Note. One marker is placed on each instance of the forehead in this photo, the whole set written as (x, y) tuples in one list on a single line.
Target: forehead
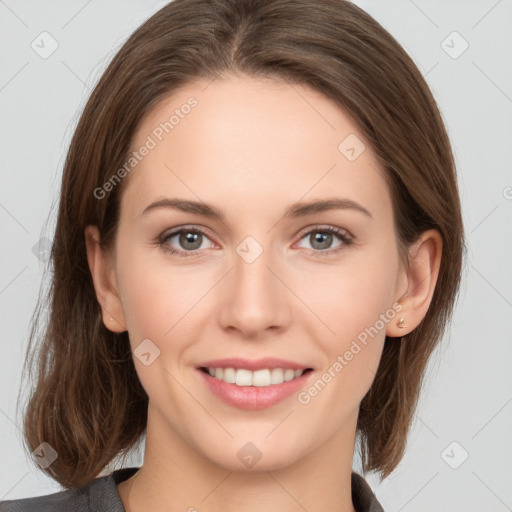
[(239, 141)]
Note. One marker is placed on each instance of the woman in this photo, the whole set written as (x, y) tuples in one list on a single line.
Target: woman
[(297, 148)]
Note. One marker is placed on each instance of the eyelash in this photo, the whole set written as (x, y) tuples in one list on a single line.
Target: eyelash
[(340, 233)]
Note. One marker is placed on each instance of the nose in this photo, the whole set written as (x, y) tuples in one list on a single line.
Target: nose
[(254, 298)]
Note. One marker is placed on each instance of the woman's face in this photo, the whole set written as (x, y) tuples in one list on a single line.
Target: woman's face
[(255, 280)]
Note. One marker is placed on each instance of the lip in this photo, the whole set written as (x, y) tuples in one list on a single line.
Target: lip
[(254, 398), (253, 365)]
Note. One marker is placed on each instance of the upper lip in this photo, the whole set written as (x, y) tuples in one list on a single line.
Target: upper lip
[(253, 365)]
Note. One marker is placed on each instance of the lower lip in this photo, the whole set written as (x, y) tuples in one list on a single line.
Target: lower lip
[(253, 397)]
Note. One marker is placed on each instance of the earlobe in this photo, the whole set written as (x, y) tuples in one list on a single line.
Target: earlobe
[(105, 285), (421, 276)]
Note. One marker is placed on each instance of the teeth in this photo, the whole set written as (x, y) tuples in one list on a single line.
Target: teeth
[(262, 378)]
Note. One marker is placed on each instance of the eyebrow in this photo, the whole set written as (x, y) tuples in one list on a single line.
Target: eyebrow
[(297, 210)]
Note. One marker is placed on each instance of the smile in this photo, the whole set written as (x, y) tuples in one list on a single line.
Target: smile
[(261, 378)]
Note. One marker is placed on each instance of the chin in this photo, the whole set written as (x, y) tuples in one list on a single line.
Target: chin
[(254, 456)]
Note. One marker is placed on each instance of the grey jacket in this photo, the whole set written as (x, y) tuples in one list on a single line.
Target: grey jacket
[(100, 495)]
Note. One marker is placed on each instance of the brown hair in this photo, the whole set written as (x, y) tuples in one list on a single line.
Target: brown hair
[(88, 403)]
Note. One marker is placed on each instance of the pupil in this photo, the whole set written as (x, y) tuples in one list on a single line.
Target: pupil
[(322, 237), (190, 237)]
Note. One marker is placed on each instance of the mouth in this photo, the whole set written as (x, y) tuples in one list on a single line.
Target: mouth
[(265, 377)]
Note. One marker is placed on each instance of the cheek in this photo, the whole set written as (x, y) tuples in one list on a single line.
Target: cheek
[(157, 300), (354, 303), (155, 294), (141, 295), (350, 295)]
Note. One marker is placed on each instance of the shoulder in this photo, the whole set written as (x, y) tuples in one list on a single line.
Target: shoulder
[(363, 498), (97, 495), (75, 500)]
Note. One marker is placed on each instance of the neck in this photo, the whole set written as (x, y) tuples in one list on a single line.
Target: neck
[(175, 477)]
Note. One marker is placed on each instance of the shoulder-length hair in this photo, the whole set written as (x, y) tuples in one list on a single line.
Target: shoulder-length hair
[(88, 403)]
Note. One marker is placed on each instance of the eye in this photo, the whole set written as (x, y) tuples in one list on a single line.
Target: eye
[(322, 237), (189, 241)]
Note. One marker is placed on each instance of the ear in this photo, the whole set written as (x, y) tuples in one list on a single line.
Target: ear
[(104, 279), (418, 278)]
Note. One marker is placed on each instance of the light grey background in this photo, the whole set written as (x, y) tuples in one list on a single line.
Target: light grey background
[(468, 396)]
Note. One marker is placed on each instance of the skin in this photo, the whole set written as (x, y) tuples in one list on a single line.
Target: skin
[(251, 148)]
